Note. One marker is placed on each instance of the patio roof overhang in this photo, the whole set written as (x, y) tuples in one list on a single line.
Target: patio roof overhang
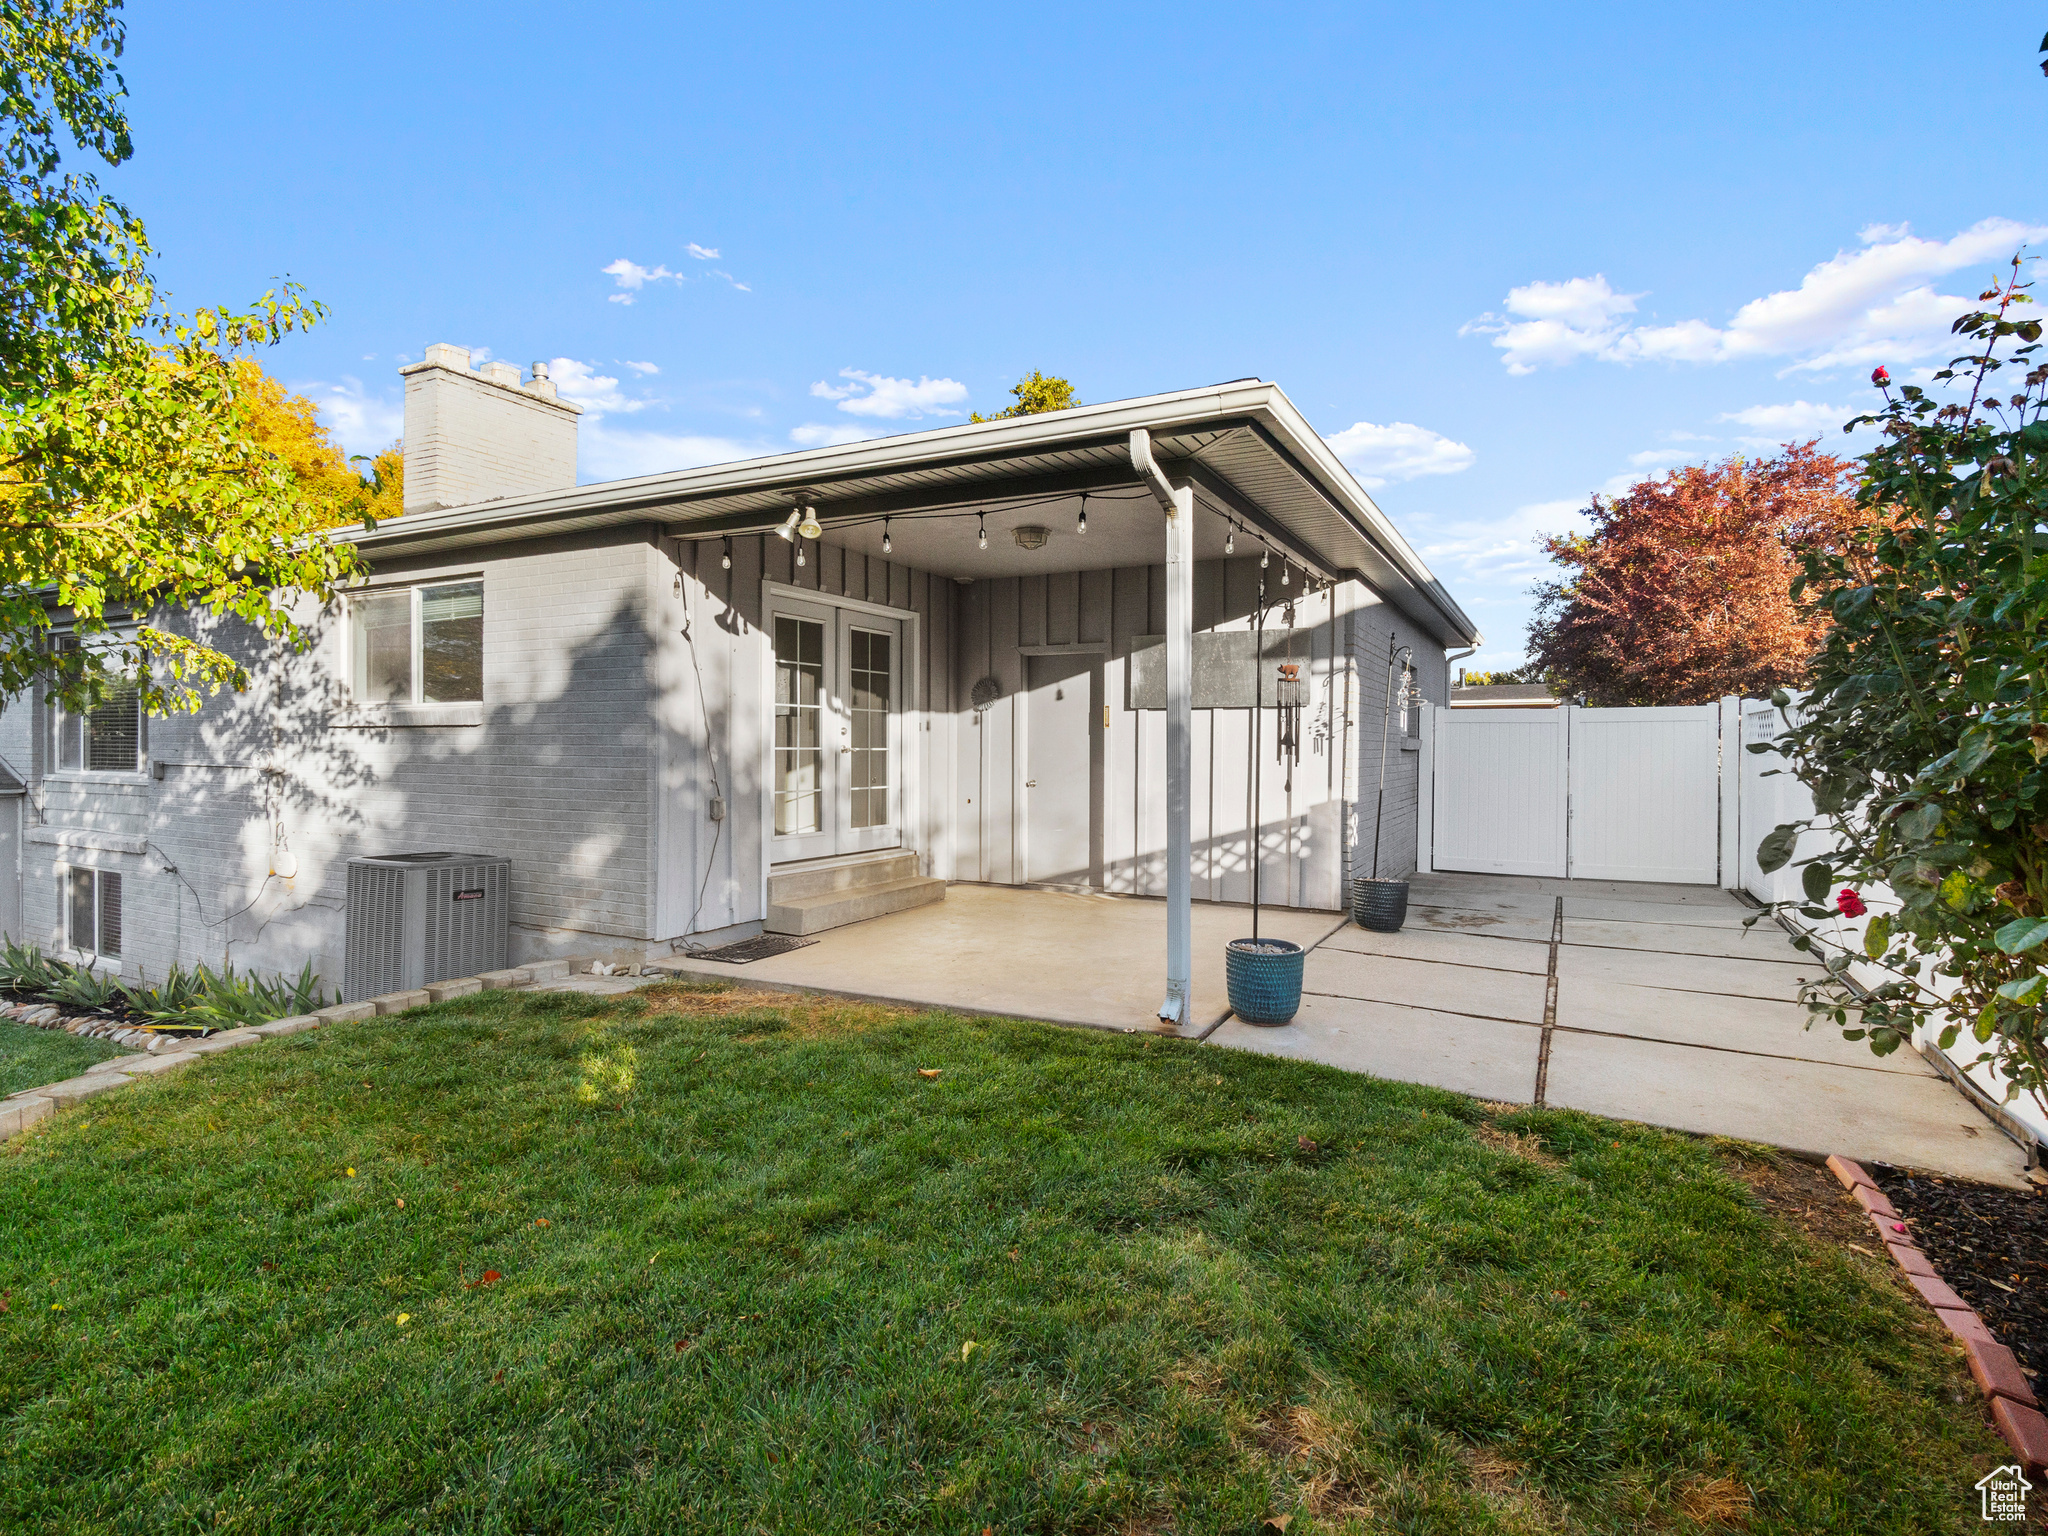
[(1248, 454)]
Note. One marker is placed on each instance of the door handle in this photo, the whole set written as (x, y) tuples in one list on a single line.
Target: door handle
[(1031, 783)]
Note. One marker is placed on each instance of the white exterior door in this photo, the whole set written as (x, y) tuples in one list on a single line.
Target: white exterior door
[(835, 770)]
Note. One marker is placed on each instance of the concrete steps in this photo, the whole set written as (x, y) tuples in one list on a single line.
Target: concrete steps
[(806, 901)]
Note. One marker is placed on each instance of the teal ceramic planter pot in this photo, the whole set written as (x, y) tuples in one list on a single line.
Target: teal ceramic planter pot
[(1265, 979)]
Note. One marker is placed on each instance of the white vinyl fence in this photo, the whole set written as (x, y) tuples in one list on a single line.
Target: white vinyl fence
[(1589, 794)]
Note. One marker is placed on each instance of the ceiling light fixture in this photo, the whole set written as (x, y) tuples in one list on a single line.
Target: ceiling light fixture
[(1031, 535)]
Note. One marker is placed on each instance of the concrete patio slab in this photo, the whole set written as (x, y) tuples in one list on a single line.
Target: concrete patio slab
[(1531, 925), (1483, 1057), (1478, 948), (1767, 979), (1722, 1023), (1068, 959), (1493, 994), (1766, 942), (1810, 1107), (1601, 909)]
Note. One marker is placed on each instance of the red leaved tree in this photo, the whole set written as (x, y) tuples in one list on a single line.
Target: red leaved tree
[(1683, 590)]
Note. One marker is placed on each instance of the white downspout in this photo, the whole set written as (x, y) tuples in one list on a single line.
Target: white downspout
[(1178, 502)]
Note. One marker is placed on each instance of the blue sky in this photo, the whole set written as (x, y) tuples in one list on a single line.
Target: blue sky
[(1504, 256)]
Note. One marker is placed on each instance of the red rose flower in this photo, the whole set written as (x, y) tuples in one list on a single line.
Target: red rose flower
[(1879, 377), (1849, 904)]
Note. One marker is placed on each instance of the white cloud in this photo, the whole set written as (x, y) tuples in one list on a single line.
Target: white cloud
[(361, 422), (1661, 456), (814, 434), (640, 368), (1503, 549), (876, 394), (1874, 305), (743, 288), (1799, 419), (702, 252), (1557, 322), (1398, 451), (597, 393), (632, 277), (606, 453)]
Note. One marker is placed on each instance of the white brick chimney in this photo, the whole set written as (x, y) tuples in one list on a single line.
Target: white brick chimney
[(482, 435)]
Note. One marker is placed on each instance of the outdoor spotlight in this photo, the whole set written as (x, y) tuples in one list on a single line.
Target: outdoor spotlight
[(886, 545), (809, 527), (788, 530)]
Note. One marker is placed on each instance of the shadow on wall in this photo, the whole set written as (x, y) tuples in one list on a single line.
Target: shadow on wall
[(555, 778)]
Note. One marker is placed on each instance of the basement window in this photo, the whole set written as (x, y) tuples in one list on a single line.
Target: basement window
[(92, 911), (418, 645)]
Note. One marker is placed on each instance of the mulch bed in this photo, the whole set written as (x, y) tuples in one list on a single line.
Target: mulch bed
[(1991, 1245)]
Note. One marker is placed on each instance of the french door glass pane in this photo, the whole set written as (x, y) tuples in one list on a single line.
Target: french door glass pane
[(382, 642), (452, 643), (868, 680), (799, 740)]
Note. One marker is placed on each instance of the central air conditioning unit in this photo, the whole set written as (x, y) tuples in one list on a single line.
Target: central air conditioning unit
[(419, 918)]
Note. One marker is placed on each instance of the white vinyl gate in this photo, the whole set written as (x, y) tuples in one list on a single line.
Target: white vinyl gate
[(1590, 794)]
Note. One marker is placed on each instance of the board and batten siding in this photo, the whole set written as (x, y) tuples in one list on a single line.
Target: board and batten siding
[(1308, 835), (717, 736)]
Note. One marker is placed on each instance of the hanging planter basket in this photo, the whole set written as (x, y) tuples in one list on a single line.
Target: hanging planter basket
[(1265, 979), (1381, 905)]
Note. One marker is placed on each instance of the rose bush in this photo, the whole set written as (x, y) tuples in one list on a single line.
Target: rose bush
[(1924, 730)]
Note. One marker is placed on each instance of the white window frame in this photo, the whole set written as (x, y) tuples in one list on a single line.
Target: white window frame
[(92, 953), (416, 660), (62, 719)]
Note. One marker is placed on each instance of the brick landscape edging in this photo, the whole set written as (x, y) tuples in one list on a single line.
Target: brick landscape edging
[(2014, 1407), (165, 1053)]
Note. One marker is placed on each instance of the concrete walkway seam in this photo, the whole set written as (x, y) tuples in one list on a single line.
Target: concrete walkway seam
[(1549, 1006), (2014, 1407)]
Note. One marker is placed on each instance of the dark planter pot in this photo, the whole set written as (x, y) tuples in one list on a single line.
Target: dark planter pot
[(1381, 905), (1265, 979)]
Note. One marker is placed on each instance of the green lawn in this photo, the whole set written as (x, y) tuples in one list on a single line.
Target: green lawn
[(756, 1273), (31, 1057)]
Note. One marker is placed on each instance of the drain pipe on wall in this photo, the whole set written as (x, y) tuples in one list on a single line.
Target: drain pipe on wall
[(1178, 503)]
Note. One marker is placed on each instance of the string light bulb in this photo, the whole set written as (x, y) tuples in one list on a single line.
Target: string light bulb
[(1264, 556), (1230, 540), (725, 560), (1082, 525), (982, 525), (1285, 568), (799, 554), (887, 547)]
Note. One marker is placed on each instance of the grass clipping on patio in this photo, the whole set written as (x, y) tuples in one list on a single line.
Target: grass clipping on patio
[(705, 1258)]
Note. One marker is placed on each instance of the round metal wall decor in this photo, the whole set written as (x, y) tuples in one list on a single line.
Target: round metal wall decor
[(987, 691)]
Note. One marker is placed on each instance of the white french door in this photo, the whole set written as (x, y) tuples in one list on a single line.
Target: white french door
[(836, 774)]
